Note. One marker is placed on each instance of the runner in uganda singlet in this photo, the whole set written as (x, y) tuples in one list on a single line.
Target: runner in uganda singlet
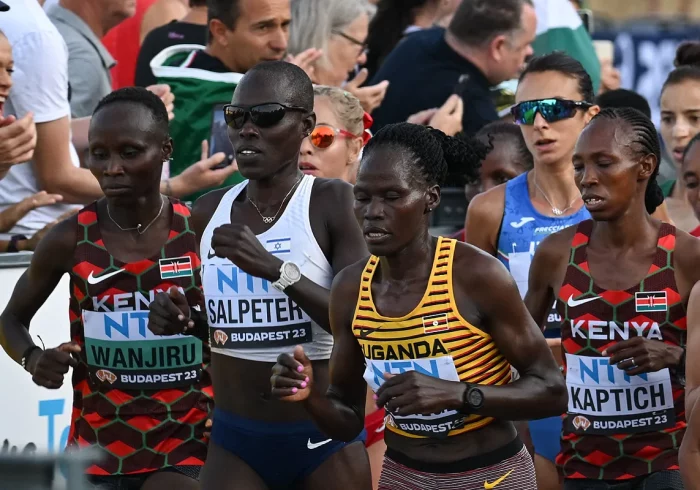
[(248, 318), (433, 339), (522, 230), (142, 398), (620, 426)]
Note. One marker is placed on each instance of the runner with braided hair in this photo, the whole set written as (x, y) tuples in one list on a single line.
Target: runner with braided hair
[(433, 326), (622, 282)]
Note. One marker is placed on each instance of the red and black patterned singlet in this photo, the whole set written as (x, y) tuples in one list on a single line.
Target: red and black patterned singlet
[(141, 398), (617, 426)]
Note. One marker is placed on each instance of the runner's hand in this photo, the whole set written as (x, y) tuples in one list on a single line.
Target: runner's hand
[(639, 355), (305, 60), (170, 313), (207, 426), (416, 393), (292, 376), (370, 97), (238, 244), (53, 364)]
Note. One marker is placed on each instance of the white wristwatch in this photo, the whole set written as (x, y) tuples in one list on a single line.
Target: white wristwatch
[(289, 274)]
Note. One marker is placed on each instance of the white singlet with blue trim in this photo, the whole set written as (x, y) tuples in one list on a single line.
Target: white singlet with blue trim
[(248, 318)]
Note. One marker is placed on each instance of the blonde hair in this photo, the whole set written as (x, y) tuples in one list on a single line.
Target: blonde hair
[(345, 106)]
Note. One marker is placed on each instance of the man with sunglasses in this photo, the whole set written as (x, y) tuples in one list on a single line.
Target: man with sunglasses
[(270, 247), (242, 33)]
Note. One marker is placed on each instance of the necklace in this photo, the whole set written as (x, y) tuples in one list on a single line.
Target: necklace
[(555, 210), (138, 227), (271, 219)]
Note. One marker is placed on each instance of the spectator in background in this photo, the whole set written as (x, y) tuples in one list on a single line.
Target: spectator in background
[(486, 43), (17, 137), (691, 179), (338, 30), (394, 20), (624, 98), (82, 23), (191, 29), (162, 12), (242, 33)]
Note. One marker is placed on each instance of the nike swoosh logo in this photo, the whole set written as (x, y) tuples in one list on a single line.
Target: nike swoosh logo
[(577, 302), (521, 223), (494, 484), (96, 280), (380, 429), (314, 445), (211, 254)]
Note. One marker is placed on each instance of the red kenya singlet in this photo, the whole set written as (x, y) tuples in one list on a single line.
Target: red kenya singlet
[(619, 426), (141, 398)]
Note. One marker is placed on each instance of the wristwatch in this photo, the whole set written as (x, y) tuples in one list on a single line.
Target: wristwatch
[(289, 274), (473, 399), (12, 246)]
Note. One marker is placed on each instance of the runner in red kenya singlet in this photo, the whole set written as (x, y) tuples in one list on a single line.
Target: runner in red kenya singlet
[(622, 282), (142, 399)]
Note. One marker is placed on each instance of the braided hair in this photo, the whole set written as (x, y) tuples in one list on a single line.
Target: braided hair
[(644, 141), (439, 158)]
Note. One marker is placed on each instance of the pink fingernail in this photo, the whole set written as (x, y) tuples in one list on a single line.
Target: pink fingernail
[(294, 390), (306, 380), (303, 384), (375, 397), (181, 317), (300, 368)]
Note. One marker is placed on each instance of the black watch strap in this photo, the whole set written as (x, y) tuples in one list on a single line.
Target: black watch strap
[(12, 246), (27, 354)]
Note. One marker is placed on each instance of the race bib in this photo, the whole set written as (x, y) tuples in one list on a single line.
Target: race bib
[(246, 312), (519, 266), (605, 400), (122, 353), (431, 425)]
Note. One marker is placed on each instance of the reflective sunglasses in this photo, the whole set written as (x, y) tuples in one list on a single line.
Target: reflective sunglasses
[(262, 115), (323, 136), (552, 110)]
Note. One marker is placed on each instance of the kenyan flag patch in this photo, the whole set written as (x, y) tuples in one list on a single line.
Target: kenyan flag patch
[(177, 267), (651, 301)]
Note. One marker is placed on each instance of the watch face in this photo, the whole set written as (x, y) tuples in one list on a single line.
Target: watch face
[(292, 271), (475, 397)]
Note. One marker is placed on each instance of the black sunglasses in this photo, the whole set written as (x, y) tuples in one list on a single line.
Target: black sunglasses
[(552, 110), (262, 115)]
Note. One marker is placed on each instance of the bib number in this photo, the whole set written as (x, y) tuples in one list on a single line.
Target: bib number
[(122, 353), (605, 400), (436, 425)]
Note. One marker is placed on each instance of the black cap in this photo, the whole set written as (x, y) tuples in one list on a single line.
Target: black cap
[(4, 7)]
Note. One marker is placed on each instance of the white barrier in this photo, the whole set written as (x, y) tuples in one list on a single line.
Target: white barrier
[(30, 414)]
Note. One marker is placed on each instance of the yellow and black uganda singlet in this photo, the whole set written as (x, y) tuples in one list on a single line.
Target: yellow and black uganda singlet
[(433, 339)]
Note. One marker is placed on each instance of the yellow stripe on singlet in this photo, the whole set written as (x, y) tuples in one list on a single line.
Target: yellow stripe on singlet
[(435, 328)]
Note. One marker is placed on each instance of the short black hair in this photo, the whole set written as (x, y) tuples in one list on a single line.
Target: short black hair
[(439, 159), (563, 63), (291, 80), (687, 64), (478, 21), (510, 132), (645, 141), (690, 144), (198, 3), (139, 96), (227, 11), (624, 98)]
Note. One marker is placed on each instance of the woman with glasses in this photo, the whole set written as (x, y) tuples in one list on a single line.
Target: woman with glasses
[(333, 148), (270, 247), (554, 103), (339, 29)]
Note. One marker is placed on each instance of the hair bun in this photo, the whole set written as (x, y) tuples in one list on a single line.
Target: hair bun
[(688, 54)]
